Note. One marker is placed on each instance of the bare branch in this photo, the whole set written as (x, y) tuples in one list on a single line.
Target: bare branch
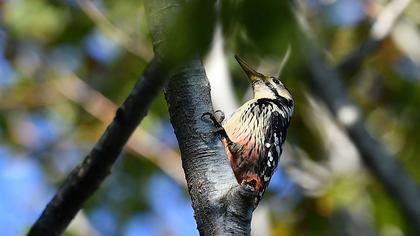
[(326, 83), (141, 142), (85, 179), (387, 18), (352, 62), (120, 37)]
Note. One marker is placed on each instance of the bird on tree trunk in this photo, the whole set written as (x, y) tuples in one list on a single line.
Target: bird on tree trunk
[(254, 134)]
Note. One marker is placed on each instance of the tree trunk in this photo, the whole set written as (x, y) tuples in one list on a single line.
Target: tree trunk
[(221, 206)]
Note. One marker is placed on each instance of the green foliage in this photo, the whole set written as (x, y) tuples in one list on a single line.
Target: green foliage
[(35, 19), (190, 31)]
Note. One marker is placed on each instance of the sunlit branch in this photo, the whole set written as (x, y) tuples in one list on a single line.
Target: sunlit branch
[(137, 47), (81, 226), (380, 30), (215, 63), (141, 142)]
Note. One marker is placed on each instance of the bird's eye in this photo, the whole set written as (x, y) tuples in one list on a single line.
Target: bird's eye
[(276, 81)]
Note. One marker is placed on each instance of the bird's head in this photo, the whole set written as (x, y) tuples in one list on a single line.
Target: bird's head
[(265, 86)]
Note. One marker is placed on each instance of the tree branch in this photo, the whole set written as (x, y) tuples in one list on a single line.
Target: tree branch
[(85, 179), (141, 142), (134, 46), (352, 62), (326, 83)]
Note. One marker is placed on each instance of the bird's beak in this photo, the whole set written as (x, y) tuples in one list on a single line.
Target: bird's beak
[(252, 74)]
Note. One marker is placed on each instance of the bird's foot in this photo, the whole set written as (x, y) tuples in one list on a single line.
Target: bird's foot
[(217, 118), (219, 115)]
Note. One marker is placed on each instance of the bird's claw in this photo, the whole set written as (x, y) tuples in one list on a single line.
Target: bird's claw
[(219, 116), (216, 122), (206, 114)]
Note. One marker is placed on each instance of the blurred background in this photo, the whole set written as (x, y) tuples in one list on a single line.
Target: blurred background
[(66, 65)]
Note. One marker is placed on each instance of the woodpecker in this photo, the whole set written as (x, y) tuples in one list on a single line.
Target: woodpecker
[(254, 134)]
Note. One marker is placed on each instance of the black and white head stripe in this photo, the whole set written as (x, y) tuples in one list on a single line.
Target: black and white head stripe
[(274, 90)]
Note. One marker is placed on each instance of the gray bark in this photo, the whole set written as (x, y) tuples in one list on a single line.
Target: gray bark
[(221, 206)]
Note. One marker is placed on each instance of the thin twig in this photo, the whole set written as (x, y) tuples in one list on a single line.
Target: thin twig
[(134, 46)]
